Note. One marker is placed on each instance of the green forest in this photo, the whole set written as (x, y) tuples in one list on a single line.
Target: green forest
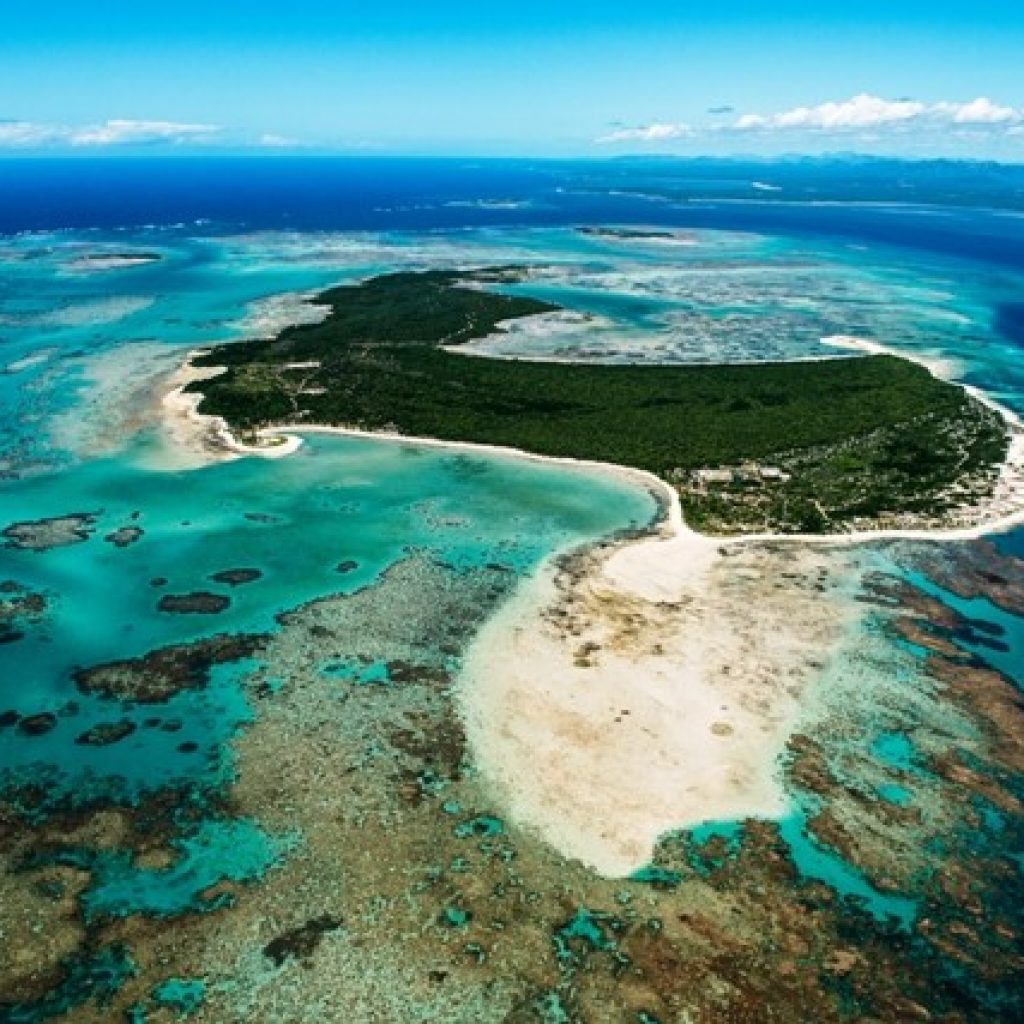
[(856, 437)]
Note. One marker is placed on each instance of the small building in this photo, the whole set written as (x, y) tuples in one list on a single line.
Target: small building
[(772, 474), (706, 477)]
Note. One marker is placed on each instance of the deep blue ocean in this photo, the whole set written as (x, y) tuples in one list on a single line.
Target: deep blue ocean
[(964, 210)]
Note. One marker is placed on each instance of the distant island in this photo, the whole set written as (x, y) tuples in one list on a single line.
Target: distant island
[(636, 234), (825, 446), (114, 260)]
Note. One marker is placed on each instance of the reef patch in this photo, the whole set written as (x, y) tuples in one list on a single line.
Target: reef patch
[(237, 577), (125, 536), (198, 602), (300, 943), (20, 607), (159, 675), (106, 733), (54, 532)]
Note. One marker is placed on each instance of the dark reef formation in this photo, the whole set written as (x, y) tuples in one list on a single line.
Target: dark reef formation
[(125, 536), (106, 733), (300, 943), (159, 675), (236, 577), (55, 532), (198, 602), (20, 609), (408, 897)]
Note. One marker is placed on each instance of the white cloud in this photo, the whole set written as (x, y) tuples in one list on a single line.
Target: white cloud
[(862, 111), (120, 133), (24, 133), (979, 111), (272, 141), (866, 117), (658, 132), (108, 133), (867, 112)]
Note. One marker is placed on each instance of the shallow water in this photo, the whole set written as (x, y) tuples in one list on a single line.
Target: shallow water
[(359, 501), (82, 350)]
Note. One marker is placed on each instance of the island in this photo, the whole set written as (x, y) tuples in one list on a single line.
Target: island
[(624, 234), (122, 260), (824, 446)]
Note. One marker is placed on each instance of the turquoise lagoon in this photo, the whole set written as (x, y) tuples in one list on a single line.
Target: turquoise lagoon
[(83, 349), (338, 501), (82, 353)]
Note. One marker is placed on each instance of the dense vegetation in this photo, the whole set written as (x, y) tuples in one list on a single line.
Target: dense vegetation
[(859, 437)]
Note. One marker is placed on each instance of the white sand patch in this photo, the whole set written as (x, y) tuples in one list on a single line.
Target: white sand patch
[(267, 317), (187, 439), (647, 691), (98, 262), (30, 361), (943, 367)]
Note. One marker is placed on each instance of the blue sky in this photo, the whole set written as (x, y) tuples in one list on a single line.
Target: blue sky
[(522, 78)]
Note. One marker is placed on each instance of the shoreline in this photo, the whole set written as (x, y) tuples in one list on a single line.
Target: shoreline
[(624, 691), (194, 439), (223, 443)]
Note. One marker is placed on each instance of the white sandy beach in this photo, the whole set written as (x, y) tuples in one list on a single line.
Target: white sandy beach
[(190, 440)]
